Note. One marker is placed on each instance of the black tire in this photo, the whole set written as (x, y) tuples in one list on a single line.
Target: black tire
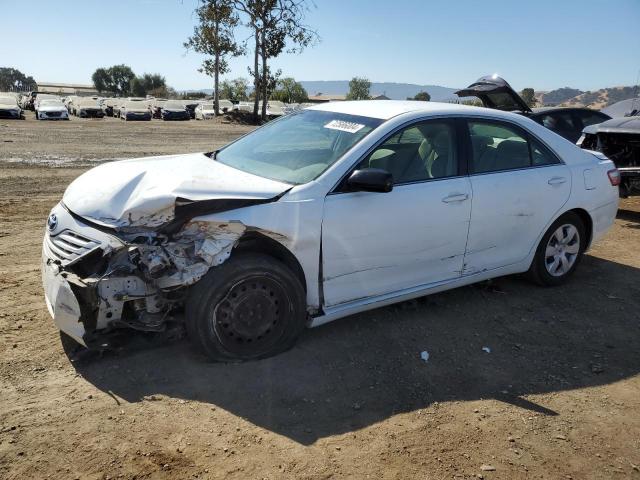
[(250, 307), (538, 271)]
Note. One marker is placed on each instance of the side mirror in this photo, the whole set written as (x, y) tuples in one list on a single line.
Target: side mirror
[(371, 180)]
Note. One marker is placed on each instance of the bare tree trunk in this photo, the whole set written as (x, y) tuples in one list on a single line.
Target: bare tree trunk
[(216, 73), (265, 76), (216, 82), (256, 76)]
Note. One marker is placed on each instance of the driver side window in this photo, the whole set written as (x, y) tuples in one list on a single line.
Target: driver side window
[(420, 152)]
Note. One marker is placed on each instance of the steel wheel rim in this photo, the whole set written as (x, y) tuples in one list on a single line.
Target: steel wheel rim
[(252, 316), (562, 250)]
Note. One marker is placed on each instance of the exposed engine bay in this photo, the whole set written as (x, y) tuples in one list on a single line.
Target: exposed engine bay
[(624, 150), (128, 279)]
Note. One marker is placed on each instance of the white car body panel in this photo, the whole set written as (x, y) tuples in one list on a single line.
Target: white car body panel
[(357, 250), (503, 231), (374, 244)]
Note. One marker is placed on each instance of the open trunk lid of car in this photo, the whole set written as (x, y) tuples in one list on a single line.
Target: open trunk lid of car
[(495, 92)]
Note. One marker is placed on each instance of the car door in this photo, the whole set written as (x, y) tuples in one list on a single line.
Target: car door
[(378, 243), (518, 186)]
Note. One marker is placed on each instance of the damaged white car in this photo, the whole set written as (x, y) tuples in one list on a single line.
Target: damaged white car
[(329, 211)]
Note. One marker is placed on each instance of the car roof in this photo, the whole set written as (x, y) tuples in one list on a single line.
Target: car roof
[(386, 109), (564, 109)]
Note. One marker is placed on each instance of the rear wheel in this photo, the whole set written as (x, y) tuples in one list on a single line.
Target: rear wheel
[(252, 306), (560, 251)]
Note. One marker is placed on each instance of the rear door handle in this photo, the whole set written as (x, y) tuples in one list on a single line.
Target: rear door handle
[(557, 181), (456, 197)]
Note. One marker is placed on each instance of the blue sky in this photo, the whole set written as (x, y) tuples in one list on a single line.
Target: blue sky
[(545, 44)]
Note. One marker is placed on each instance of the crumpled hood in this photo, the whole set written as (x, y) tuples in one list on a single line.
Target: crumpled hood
[(143, 192)]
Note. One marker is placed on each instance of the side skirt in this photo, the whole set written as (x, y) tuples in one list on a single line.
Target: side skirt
[(369, 303)]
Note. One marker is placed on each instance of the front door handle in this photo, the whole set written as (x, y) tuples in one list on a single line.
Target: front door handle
[(557, 180), (456, 197)]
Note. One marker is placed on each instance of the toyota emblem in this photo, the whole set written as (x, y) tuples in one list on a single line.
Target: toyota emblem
[(52, 222)]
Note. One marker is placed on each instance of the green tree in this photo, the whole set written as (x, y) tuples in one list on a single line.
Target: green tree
[(529, 97), (234, 89), (142, 86), (115, 80), (421, 96), (359, 89), (214, 37), (289, 91), (12, 79), (274, 24)]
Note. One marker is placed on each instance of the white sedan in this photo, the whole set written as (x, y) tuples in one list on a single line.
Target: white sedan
[(336, 209), (51, 109)]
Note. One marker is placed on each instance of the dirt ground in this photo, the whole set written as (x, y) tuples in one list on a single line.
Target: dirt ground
[(557, 396)]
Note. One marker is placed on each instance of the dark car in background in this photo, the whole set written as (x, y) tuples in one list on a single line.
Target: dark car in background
[(495, 92), (568, 122), (191, 107), (619, 140), (9, 107), (175, 110)]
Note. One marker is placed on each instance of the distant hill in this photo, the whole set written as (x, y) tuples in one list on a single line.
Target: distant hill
[(564, 97), (556, 97), (395, 91), (571, 97)]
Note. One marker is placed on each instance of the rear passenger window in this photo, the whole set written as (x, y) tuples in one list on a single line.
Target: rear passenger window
[(540, 155), (591, 118), (423, 151), (497, 147)]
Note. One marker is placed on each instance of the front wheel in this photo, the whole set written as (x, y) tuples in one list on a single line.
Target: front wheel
[(250, 307), (559, 251)]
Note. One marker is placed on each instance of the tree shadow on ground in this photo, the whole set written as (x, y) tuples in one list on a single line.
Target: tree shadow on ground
[(363, 369)]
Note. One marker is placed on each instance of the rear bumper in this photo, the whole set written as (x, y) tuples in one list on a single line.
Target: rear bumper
[(603, 219), (91, 113), (138, 116)]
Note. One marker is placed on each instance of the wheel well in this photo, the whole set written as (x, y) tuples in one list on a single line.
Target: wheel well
[(588, 224), (253, 241)]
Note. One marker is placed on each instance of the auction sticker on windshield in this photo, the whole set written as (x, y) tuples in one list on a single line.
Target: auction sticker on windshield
[(344, 126)]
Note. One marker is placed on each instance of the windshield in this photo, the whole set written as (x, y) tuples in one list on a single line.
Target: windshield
[(173, 104), (136, 105), (298, 148), (54, 102)]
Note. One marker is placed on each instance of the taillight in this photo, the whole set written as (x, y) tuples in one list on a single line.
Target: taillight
[(614, 177)]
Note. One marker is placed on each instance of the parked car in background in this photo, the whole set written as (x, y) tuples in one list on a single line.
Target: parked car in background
[(495, 92), (334, 210), (568, 122), (174, 110), (51, 109), (205, 111), (43, 96), (107, 105), (225, 105), (275, 108), (9, 107), (68, 102), (156, 107), (191, 106), (619, 140), (132, 110), (86, 107)]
